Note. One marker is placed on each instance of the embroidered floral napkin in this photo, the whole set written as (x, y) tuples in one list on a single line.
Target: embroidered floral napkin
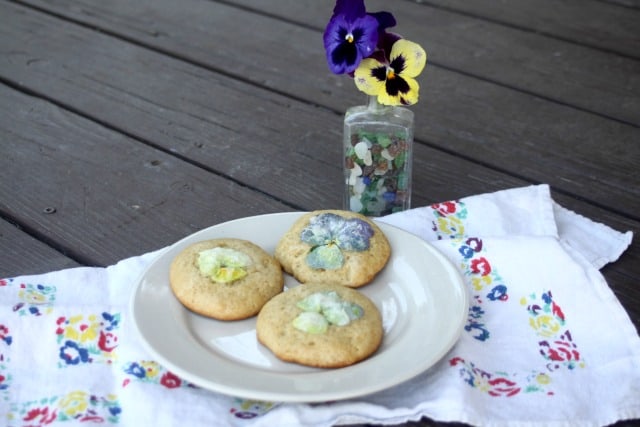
[(546, 341)]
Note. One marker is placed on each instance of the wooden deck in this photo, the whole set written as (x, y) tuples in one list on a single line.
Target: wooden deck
[(127, 125)]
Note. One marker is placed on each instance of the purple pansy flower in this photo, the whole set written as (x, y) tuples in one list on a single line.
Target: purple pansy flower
[(352, 34), (329, 234)]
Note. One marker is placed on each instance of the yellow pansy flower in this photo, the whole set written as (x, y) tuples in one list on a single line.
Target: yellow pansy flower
[(393, 83)]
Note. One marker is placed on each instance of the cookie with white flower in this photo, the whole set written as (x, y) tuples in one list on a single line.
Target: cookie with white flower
[(226, 279), (320, 325), (333, 246)]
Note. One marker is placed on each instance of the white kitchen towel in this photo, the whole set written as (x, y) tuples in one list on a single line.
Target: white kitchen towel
[(546, 341)]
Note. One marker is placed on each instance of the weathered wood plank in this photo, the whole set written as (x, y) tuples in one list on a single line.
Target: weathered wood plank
[(627, 3), (458, 114), (262, 139), (597, 24), (113, 196), (626, 290), (589, 79), (23, 254)]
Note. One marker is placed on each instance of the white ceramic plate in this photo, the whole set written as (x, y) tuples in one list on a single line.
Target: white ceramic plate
[(421, 296)]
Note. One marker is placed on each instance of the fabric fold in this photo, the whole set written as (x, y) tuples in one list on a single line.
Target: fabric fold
[(596, 242)]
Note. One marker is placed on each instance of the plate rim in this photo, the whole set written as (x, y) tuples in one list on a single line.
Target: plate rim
[(295, 395)]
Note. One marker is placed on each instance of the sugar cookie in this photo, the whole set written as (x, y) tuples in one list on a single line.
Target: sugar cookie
[(320, 325), (226, 279)]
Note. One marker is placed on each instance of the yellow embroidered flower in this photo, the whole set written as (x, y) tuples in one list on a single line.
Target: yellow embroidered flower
[(74, 403), (32, 296), (151, 368), (78, 329), (393, 82), (481, 384), (546, 325), (478, 283), (450, 226), (543, 379)]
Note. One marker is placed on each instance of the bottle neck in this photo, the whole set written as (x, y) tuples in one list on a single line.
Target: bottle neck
[(375, 107)]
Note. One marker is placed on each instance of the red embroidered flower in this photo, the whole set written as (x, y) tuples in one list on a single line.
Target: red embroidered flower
[(446, 208), (91, 418), (169, 380), (61, 320), (481, 266), (559, 351), (557, 311), (42, 416), (455, 361), (107, 341), (503, 387)]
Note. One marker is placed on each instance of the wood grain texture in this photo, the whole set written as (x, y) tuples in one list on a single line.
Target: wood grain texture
[(113, 196), (590, 79), (267, 141), (24, 254), (587, 26), (516, 131)]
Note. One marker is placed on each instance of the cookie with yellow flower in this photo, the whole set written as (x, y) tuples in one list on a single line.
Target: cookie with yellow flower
[(226, 279)]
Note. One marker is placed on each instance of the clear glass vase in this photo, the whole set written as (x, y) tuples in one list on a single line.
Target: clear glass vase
[(378, 153)]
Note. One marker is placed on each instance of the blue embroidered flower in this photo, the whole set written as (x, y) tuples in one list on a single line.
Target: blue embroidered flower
[(4, 335), (113, 319), (136, 370), (330, 234), (466, 251), (73, 354), (499, 292), (481, 332)]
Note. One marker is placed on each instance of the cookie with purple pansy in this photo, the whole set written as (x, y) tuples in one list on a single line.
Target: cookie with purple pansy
[(333, 246)]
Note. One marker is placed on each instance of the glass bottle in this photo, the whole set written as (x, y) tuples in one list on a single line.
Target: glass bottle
[(378, 153)]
